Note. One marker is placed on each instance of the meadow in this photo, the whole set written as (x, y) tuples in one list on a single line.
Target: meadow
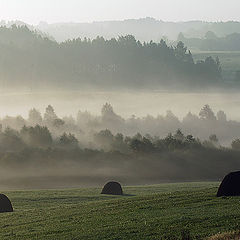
[(145, 212)]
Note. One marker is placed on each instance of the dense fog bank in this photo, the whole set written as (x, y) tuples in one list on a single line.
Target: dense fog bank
[(49, 151), (85, 125)]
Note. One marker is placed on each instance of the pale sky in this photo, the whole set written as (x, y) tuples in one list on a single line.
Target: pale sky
[(34, 11)]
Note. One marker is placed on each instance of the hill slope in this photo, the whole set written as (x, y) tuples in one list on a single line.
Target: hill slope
[(144, 29)]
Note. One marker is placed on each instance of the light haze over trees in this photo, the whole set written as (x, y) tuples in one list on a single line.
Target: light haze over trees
[(31, 61)]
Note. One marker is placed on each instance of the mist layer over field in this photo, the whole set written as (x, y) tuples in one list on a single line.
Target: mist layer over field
[(86, 111), (125, 140), (125, 103)]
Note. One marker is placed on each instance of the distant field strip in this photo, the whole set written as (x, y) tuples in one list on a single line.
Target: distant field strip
[(230, 61)]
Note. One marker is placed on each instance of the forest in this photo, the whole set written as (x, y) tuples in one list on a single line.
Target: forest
[(85, 124), (109, 144), (31, 61), (135, 149)]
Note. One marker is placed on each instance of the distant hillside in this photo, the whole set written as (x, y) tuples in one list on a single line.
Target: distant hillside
[(211, 42), (9, 24), (30, 60), (144, 29)]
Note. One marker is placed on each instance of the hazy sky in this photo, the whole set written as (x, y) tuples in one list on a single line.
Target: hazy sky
[(33, 11)]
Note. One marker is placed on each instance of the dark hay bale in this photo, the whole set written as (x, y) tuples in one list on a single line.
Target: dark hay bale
[(5, 204), (113, 188), (230, 185)]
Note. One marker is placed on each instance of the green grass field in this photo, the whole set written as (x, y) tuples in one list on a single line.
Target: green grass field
[(145, 212)]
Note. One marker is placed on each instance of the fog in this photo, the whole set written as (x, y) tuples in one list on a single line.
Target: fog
[(85, 111), (89, 137), (93, 10), (126, 103)]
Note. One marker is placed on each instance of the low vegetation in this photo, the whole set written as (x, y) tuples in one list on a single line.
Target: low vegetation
[(145, 212), (226, 236)]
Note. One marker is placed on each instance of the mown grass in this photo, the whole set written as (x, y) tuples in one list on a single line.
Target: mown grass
[(226, 236), (146, 212)]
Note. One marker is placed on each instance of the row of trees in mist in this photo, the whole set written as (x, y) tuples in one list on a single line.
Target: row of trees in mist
[(39, 137), (85, 125), (135, 150), (31, 61), (132, 159)]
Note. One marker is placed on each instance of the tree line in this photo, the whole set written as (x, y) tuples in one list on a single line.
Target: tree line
[(111, 132), (85, 124), (30, 61), (135, 159), (95, 147)]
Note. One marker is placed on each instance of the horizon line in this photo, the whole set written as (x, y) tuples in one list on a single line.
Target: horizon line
[(42, 22)]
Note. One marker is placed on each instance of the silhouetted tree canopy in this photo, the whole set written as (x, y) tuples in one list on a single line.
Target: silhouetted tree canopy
[(206, 113), (36, 136), (31, 61), (162, 147), (68, 140)]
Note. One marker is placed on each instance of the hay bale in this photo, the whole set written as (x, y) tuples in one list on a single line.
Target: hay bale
[(230, 185), (112, 188), (5, 204)]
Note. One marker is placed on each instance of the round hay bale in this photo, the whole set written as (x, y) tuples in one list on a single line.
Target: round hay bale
[(112, 188), (230, 185), (5, 204)]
